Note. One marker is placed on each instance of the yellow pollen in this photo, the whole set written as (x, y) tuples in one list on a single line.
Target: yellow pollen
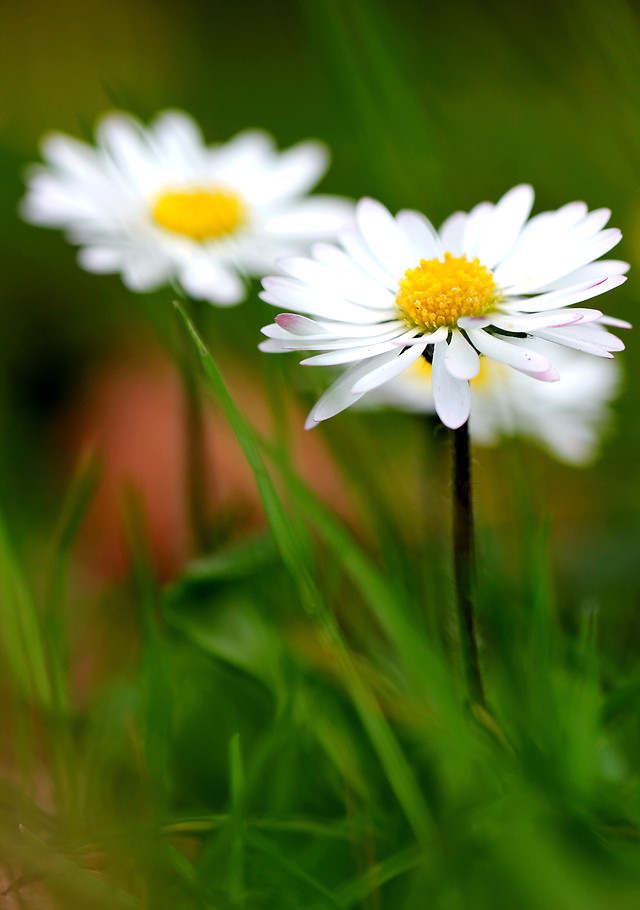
[(438, 292), (200, 214)]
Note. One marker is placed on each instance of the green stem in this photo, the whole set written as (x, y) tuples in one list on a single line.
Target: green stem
[(464, 560)]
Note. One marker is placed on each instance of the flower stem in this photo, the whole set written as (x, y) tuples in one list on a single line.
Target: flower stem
[(464, 560)]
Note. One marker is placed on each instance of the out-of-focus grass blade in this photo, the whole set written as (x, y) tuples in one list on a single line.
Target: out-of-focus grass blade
[(354, 892), (390, 754), (22, 635), (231, 563), (296, 560), (156, 689), (74, 886), (290, 869), (392, 120), (623, 699), (236, 820), (74, 509), (386, 601)]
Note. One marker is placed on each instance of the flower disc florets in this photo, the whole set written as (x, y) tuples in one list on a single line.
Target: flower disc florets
[(440, 291), (162, 207), (490, 284), (202, 214)]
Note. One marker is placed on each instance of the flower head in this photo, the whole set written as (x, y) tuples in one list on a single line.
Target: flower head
[(157, 205), (484, 285), (567, 417)]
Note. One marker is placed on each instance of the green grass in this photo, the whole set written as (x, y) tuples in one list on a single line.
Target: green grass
[(284, 724), (296, 733)]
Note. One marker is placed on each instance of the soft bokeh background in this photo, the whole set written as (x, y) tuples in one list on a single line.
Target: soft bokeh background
[(434, 108), (431, 106)]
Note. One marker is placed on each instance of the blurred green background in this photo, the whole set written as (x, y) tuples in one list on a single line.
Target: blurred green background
[(429, 106)]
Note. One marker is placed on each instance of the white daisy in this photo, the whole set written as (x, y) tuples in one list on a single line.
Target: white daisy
[(567, 417), (158, 205), (485, 284)]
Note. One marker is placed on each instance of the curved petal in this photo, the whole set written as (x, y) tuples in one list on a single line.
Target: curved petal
[(340, 395), (460, 358), (386, 371), (421, 234), (505, 225), (452, 396), (516, 356), (205, 279), (452, 233), (383, 237)]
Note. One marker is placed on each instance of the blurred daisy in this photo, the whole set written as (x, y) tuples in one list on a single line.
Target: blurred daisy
[(485, 284), (567, 417), (158, 205)]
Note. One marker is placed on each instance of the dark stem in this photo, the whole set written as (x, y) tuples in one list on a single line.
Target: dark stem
[(464, 559)]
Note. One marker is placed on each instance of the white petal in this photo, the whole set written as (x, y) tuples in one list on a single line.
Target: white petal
[(517, 322), (312, 218), (386, 371), (616, 323), (329, 343), (122, 138), (592, 273), (384, 238), (360, 253), (356, 288), (331, 332), (299, 325), (452, 396), (72, 159), (507, 220), (588, 338), (205, 279), (100, 260), (244, 161), (271, 346), (348, 355), (295, 172), (550, 264), (590, 224), (421, 234), (452, 233), (564, 297), (440, 334), (287, 292), (377, 293), (478, 222), (142, 271), (520, 358), (339, 395), (178, 143), (473, 322), (460, 358)]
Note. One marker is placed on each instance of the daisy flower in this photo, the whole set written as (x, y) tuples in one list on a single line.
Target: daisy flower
[(484, 285), (157, 205), (567, 417)]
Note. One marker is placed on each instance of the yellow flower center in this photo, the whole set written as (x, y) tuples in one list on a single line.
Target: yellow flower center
[(438, 292), (200, 214)]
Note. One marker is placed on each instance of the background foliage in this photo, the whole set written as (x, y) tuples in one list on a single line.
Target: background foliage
[(281, 721)]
